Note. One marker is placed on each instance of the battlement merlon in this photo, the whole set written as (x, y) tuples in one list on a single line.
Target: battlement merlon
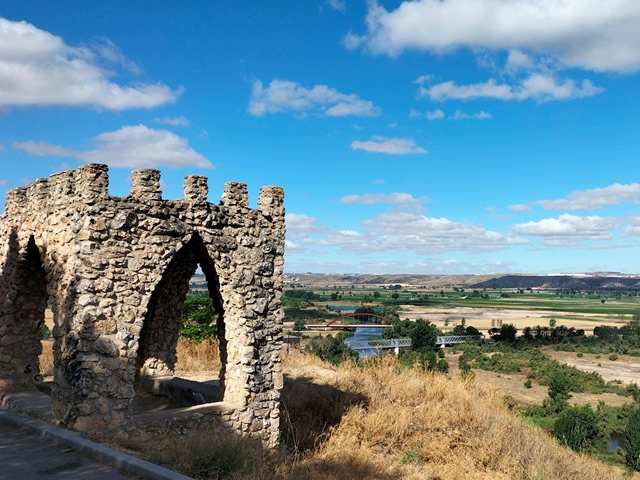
[(235, 195), (90, 184), (271, 202), (195, 189), (145, 184)]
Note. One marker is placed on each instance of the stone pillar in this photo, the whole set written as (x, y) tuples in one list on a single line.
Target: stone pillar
[(146, 184), (92, 183), (196, 189), (235, 195)]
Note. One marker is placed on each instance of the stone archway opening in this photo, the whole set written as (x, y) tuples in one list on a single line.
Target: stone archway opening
[(24, 320), (157, 386)]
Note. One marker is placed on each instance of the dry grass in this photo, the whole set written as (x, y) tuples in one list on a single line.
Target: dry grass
[(378, 421), (46, 358), (411, 424), (198, 358)]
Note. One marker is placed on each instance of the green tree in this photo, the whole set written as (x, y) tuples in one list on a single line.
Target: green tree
[(198, 319), (508, 332), (632, 438), (577, 428), (559, 386), (423, 335)]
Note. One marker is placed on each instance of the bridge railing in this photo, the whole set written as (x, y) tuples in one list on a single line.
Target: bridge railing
[(454, 339), (379, 343)]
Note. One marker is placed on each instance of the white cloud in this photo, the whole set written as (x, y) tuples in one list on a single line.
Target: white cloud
[(481, 115), (538, 86), (423, 79), (286, 96), (131, 146), (633, 229), (44, 149), (404, 200), (595, 198), (173, 121), (569, 229), (3, 182), (108, 51), (409, 231), (390, 146), (299, 225), (519, 61), (38, 69), (519, 207), (338, 5), (591, 34), (432, 115)]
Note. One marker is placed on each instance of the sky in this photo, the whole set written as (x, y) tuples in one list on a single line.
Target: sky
[(424, 136)]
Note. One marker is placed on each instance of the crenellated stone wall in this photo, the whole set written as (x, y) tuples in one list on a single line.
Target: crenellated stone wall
[(116, 272)]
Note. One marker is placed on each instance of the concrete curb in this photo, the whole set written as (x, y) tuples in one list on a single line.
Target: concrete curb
[(105, 455)]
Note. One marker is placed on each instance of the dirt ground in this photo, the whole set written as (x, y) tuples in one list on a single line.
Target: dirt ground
[(513, 384), (481, 318), (625, 368)]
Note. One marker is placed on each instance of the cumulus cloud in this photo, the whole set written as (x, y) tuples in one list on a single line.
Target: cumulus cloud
[(286, 96), (569, 229), (519, 207), (436, 114), (426, 235), (390, 146), (481, 115), (400, 232), (403, 200), (40, 69), (538, 86), (633, 228), (595, 198), (131, 146), (338, 5), (590, 34), (173, 121)]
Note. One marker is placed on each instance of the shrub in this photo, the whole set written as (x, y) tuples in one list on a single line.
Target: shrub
[(613, 357), (632, 438), (527, 383), (577, 428), (331, 349), (198, 319)]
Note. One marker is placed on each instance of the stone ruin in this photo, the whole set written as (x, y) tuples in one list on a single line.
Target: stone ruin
[(116, 272)]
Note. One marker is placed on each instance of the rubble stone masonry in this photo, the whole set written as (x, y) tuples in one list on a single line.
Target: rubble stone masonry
[(116, 273)]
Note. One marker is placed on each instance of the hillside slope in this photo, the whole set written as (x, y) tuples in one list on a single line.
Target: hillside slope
[(392, 423)]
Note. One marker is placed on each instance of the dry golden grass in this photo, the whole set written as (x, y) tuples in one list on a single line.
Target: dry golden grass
[(411, 424), (198, 358), (46, 358), (377, 421)]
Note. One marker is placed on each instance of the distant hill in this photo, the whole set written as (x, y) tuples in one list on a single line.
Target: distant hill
[(493, 281), (561, 282), (329, 279)]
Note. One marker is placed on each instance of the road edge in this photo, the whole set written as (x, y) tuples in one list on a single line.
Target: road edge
[(105, 455)]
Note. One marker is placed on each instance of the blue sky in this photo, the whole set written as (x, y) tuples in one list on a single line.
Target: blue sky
[(432, 136)]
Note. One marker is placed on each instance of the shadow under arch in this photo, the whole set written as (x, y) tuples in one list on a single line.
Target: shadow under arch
[(23, 314), (160, 331)]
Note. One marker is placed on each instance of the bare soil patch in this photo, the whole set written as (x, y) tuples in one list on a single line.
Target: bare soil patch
[(513, 384), (481, 318), (625, 368)]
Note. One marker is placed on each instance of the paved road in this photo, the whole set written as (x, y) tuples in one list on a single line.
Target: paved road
[(27, 457)]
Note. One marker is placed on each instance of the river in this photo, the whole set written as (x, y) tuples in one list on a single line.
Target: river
[(364, 334)]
